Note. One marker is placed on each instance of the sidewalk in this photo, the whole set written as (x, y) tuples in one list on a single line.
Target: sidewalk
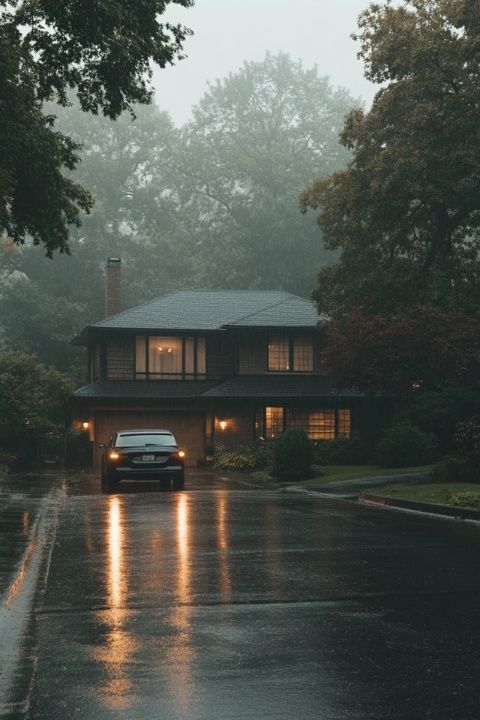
[(22, 498)]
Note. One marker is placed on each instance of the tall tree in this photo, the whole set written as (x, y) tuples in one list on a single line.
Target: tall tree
[(255, 139), (405, 213), (102, 49)]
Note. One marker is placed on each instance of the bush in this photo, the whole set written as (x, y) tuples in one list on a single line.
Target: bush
[(467, 439), (342, 451), (241, 460), (404, 444), (465, 498), (292, 456), (453, 469), (78, 449)]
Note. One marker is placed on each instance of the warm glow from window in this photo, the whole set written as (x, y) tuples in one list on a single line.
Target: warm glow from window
[(344, 423), (279, 354), (274, 419)]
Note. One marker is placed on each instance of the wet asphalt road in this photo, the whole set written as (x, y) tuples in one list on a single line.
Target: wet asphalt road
[(229, 602)]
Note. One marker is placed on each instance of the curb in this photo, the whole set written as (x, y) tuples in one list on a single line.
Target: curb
[(458, 513)]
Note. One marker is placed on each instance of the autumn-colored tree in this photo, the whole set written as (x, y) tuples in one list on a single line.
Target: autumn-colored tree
[(405, 213), (423, 350)]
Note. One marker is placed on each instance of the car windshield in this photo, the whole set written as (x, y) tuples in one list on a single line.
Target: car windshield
[(140, 439)]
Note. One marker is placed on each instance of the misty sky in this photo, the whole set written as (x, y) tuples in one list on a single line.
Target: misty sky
[(230, 31)]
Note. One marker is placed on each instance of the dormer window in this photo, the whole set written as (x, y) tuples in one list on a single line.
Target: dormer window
[(290, 354), (165, 357)]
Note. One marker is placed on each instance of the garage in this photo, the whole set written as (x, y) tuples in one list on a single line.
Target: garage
[(189, 429)]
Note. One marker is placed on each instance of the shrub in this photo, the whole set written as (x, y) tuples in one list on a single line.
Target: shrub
[(241, 460), (342, 451), (464, 498), (404, 444), (78, 449), (453, 469), (467, 439), (292, 456)]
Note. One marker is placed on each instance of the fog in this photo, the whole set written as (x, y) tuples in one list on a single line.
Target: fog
[(227, 32), (209, 203)]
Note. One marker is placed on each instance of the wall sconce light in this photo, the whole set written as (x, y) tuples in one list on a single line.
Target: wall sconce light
[(223, 424), (85, 424)]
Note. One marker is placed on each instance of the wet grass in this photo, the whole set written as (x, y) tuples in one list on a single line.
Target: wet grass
[(430, 492), (339, 473)]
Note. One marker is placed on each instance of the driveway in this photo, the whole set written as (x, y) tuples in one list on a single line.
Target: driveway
[(228, 602)]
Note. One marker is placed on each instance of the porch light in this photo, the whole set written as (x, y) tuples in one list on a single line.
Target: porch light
[(223, 424), (85, 424)]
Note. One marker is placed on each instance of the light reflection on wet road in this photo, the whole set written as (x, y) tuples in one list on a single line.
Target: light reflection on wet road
[(221, 604)]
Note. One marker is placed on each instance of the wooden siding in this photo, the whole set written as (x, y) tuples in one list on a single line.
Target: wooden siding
[(252, 355), (221, 357), (120, 359)]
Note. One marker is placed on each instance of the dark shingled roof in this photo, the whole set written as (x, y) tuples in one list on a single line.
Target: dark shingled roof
[(278, 386), (241, 386), (216, 309), (144, 389)]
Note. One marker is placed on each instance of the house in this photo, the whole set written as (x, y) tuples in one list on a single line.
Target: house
[(214, 366)]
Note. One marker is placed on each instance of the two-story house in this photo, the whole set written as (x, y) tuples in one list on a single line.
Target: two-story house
[(213, 366)]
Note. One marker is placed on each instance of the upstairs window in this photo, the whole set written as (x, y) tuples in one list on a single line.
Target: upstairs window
[(279, 354), (290, 354), (165, 357)]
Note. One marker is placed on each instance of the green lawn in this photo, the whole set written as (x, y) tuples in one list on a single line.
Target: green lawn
[(434, 493), (338, 473)]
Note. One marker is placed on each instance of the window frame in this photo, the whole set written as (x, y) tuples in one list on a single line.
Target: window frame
[(291, 353), (339, 413), (179, 376)]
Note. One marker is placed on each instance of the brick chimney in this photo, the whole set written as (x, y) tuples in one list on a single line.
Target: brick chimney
[(112, 286)]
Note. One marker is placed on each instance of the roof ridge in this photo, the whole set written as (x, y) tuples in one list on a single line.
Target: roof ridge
[(256, 312)]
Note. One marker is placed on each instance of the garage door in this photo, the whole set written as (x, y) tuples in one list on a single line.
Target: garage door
[(188, 429)]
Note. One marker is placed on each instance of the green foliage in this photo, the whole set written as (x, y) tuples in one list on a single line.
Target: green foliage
[(105, 52), (466, 498), (256, 137), (292, 456), (439, 412), (32, 400), (467, 440), (78, 449), (245, 459), (241, 460), (454, 469), (404, 444), (405, 213), (342, 451)]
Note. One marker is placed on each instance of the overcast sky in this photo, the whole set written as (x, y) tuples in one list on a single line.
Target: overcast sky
[(227, 32)]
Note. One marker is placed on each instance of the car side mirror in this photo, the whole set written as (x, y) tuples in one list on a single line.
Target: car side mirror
[(101, 445)]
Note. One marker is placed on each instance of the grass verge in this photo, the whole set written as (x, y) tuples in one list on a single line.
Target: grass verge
[(339, 473), (438, 493)]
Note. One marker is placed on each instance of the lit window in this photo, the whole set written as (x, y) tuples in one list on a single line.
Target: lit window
[(274, 417), (164, 357), (303, 354), (344, 423), (319, 425), (279, 354), (287, 354)]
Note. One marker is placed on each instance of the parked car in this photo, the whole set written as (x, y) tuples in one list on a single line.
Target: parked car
[(143, 455)]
